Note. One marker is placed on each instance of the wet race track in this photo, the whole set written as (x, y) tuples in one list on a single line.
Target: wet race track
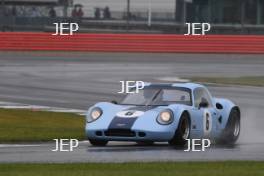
[(78, 80)]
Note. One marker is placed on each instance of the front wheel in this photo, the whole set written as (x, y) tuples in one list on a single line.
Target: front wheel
[(183, 131), (232, 129), (98, 142)]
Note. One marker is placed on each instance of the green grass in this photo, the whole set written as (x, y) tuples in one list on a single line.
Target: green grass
[(28, 126), (243, 168), (247, 80)]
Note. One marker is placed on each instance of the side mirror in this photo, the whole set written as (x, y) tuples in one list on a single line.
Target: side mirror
[(114, 101), (203, 104), (219, 106)]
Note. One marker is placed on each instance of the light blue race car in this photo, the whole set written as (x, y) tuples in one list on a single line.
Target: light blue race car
[(164, 112)]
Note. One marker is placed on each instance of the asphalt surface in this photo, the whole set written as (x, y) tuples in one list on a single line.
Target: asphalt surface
[(78, 80), (120, 152)]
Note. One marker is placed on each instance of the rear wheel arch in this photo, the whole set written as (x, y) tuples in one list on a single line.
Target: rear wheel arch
[(232, 128), (238, 109), (234, 108)]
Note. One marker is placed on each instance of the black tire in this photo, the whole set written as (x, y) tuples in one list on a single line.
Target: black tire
[(183, 131), (98, 142), (232, 129)]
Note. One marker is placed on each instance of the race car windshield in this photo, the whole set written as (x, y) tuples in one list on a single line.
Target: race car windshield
[(157, 96)]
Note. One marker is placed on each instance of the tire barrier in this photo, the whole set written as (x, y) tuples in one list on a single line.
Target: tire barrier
[(160, 43)]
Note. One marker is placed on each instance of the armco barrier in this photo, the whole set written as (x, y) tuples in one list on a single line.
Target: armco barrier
[(22, 41)]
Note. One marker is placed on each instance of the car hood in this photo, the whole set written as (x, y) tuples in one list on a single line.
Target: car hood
[(136, 111)]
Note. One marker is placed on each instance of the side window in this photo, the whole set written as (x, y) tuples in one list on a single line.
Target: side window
[(199, 94)]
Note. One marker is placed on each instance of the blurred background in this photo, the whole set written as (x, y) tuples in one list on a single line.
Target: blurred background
[(133, 16)]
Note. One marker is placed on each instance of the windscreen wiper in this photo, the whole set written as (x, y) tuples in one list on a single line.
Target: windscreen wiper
[(154, 97)]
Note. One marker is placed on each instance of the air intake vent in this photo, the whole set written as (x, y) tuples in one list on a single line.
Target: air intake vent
[(120, 133)]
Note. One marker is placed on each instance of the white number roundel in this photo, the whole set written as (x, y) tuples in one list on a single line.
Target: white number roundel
[(129, 114), (207, 122)]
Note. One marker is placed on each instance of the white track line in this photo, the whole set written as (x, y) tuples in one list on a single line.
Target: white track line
[(35, 145), (11, 105), (19, 145)]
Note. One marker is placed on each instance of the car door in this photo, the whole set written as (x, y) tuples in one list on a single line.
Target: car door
[(205, 113)]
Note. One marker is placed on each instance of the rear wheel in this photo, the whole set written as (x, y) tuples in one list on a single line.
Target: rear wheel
[(183, 131), (98, 142), (232, 129)]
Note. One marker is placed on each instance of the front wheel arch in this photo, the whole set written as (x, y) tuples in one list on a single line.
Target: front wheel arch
[(178, 139), (189, 118)]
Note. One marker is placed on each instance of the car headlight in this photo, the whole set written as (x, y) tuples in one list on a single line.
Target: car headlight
[(165, 117), (94, 114)]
